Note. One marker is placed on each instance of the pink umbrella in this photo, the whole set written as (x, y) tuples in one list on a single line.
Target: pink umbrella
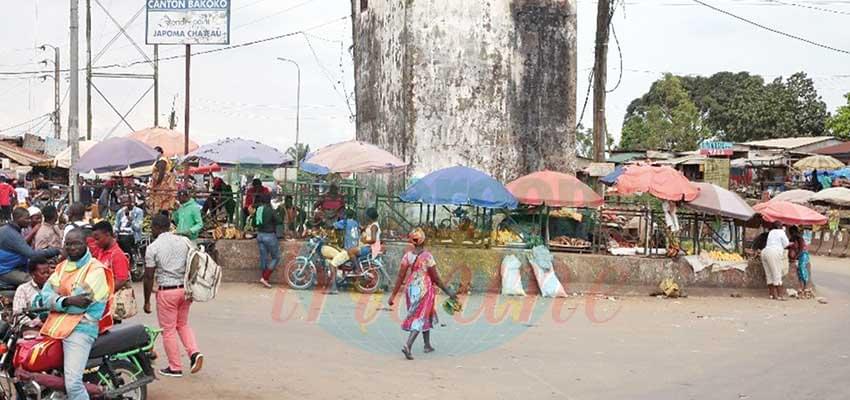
[(554, 189), (789, 213), (351, 157), (662, 182), (172, 142)]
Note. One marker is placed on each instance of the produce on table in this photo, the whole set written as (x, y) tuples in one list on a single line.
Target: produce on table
[(724, 256), (569, 242), (505, 236)]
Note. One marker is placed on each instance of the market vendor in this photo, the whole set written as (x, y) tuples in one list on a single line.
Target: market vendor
[(221, 196), (163, 185), (293, 217), (256, 189)]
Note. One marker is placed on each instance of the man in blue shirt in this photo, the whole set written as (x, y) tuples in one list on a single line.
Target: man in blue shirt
[(350, 239), (15, 252)]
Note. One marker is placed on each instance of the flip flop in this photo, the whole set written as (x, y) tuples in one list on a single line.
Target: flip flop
[(406, 353)]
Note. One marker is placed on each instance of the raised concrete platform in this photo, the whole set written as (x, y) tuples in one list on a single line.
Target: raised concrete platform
[(478, 270)]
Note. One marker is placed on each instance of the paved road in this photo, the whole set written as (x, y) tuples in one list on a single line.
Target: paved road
[(633, 348)]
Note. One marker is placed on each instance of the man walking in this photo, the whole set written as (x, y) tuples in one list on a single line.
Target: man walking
[(166, 258), (266, 220), (188, 217)]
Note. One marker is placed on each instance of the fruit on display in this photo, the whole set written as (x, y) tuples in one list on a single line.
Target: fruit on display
[(227, 232), (505, 236), (569, 242), (724, 256)]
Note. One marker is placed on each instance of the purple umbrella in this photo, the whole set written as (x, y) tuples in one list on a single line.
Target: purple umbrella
[(240, 152), (116, 154)]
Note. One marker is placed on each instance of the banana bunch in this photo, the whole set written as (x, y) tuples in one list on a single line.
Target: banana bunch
[(505, 236), (724, 256)]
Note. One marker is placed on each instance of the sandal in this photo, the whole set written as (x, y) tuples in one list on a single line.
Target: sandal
[(406, 352), (429, 350)]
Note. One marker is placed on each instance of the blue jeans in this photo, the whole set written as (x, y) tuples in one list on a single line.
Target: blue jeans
[(269, 250), (77, 347)]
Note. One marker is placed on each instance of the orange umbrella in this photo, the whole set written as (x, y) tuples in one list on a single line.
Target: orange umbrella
[(789, 213), (662, 182), (554, 189), (170, 141)]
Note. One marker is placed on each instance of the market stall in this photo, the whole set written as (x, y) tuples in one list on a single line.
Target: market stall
[(716, 228), (474, 195), (172, 142), (564, 203)]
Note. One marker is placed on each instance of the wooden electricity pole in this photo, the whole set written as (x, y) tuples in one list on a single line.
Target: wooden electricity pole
[(600, 76)]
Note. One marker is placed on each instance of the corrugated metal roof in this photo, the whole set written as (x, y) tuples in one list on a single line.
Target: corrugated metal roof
[(20, 155), (789, 143), (837, 149)]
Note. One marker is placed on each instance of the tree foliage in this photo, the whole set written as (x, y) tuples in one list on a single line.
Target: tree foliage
[(740, 107), (584, 142), (298, 153), (839, 124), (665, 118)]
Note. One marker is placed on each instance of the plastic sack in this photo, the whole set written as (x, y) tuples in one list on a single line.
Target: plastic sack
[(511, 280), (541, 263)]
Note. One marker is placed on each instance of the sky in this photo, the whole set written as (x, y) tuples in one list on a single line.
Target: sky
[(247, 93)]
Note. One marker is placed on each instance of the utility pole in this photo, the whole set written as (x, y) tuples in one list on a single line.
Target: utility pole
[(297, 111), (74, 107), (600, 76), (57, 123), (156, 86), (88, 71), (186, 108)]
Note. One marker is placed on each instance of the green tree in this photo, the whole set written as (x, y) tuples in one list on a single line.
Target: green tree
[(300, 153), (664, 118), (839, 124), (584, 142)]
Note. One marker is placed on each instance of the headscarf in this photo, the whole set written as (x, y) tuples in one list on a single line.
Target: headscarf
[(33, 210), (417, 237)]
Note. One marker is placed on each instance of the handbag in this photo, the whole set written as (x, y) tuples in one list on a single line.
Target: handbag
[(125, 303)]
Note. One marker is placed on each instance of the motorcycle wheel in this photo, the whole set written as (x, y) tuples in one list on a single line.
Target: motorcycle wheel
[(300, 274), (369, 282), (126, 372)]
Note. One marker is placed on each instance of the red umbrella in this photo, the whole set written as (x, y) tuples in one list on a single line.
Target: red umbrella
[(206, 169), (664, 183), (789, 213), (554, 189)]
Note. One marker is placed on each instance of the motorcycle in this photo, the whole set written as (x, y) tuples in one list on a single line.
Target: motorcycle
[(366, 273), (119, 365), (135, 252)]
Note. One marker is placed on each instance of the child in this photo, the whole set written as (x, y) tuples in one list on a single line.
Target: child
[(419, 273), (800, 252)]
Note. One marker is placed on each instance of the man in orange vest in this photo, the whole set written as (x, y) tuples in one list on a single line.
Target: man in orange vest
[(78, 293)]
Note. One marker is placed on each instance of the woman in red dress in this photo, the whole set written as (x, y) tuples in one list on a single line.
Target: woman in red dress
[(419, 273)]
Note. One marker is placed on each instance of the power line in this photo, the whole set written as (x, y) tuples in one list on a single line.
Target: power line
[(177, 57), (788, 35), (827, 10), (25, 122)]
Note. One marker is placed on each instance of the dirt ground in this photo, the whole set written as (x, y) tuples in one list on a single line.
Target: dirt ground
[(595, 348)]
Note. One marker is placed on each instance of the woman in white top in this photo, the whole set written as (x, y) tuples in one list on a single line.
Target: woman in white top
[(773, 259)]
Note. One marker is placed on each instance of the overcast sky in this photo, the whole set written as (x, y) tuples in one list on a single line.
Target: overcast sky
[(247, 93)]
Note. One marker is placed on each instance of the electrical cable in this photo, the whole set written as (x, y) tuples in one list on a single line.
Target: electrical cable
[(827, 10), (767, 28), (25, 122)]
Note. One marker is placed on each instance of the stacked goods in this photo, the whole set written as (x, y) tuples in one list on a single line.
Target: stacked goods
[(724, 256), (566, 213), (505, 236), (227, 232), (569, 242)]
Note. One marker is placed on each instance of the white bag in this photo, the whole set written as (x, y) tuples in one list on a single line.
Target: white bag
[(511, 280), (544, 271), (203, 275)]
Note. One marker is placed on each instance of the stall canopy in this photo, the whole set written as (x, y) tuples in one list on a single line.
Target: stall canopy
[(351, 157), (172, 142), (818, 162), (839, 196), (715, 200), (63, 159), (664, 183), (789, 213), (796, 196), (460, 186), (228, 152), (554, 189), (116, 154)]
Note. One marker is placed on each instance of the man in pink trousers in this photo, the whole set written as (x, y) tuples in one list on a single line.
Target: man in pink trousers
[(166, 258)]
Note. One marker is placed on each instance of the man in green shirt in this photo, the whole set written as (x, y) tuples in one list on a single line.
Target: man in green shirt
[(188, 216)]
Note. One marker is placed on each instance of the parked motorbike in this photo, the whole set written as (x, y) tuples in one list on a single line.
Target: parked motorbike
[(365, 273), (119, 365), (135, 252)]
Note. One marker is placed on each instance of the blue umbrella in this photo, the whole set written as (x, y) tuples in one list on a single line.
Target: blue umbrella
[(611, 178), (314, 169), (460, 186)]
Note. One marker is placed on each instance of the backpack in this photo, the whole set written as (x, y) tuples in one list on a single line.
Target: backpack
[(203, 274)]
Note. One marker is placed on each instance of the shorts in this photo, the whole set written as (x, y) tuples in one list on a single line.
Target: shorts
[(365, 251)]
